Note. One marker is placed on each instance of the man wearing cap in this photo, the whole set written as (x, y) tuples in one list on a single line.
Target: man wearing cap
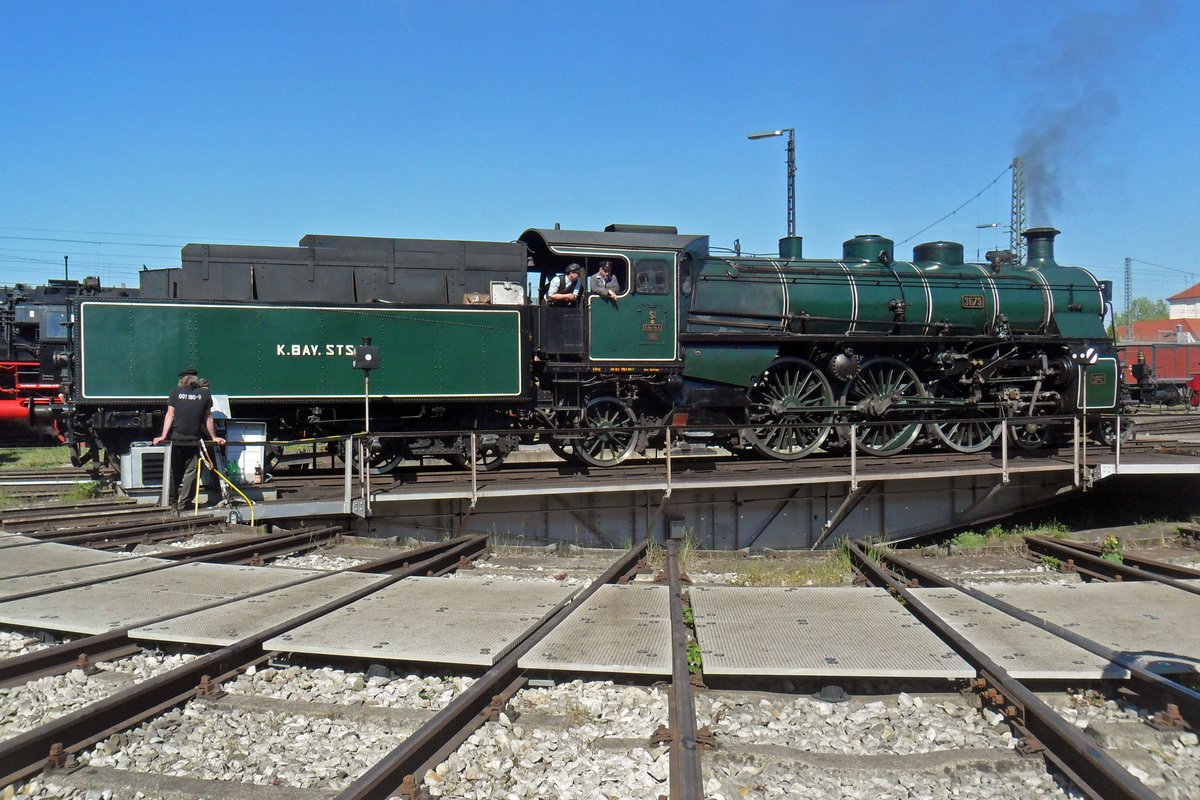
[(604, 283), (189, 417), (564, 289)]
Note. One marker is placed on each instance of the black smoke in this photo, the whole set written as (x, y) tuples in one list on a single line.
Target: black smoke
[(1074, 85)]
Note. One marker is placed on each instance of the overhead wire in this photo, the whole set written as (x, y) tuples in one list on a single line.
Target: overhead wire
[(87, 241), (18, 262), (1160, 266), (960, 208), (177, 237)]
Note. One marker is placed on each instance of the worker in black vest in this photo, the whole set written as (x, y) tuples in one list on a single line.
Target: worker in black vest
[(564, 289), (189, 417)]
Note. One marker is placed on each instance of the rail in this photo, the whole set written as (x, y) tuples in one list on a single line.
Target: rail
[(1164, 691), (50, 744), (400, 771), (1095, 565), (1094, 771), (687, 781)]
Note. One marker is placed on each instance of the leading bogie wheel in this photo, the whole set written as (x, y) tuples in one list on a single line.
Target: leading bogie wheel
[(967, 432), (1029, 435)]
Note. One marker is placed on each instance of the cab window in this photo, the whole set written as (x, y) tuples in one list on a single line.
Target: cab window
[(651, 276), (54, 325)]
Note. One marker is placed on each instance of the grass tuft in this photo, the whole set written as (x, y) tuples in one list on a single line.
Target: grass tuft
[(832, 569), (35, 457), (998, 535)]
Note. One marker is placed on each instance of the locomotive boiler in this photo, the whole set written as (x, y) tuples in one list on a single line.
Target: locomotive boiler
[(773, 356), (867, 337)]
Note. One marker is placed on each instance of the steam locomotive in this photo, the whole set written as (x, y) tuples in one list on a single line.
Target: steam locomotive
[(769, 356), (33, 329)]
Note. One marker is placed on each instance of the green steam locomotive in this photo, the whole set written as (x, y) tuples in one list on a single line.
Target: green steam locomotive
[(775, 356)]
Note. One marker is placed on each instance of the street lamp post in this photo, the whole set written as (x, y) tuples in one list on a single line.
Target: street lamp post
[(791, 172), (981, 227)]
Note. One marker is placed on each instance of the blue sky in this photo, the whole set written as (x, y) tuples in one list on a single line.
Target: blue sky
[(132, 128)]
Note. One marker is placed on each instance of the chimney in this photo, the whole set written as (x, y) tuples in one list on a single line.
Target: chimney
[(1040, 244)]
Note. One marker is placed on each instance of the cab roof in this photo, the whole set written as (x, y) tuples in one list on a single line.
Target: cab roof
[(625, 237)]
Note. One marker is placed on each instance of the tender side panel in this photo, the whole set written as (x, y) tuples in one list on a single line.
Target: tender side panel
[(252, 352)]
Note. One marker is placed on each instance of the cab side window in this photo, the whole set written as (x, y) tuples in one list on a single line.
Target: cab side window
[(651, 276)]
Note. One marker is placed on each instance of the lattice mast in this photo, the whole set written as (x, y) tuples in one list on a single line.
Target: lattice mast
[(1017, 224), (1129, 297)]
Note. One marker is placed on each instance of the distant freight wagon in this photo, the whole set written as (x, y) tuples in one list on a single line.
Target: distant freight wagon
[(1167, 373)]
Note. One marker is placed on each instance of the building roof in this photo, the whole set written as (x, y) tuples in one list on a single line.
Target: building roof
[(1187, 294), (1160, 330)]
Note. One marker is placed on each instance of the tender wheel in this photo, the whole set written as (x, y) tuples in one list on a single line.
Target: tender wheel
[(610, 435), (881, 385), (385, 463), (379, 463), (789, 410), (489, 455), (967, 431)]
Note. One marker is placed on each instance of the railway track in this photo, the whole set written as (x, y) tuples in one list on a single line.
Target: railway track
[(1042, 730), (1089, 559), (495, 732), (1159, 426), (52, 744)]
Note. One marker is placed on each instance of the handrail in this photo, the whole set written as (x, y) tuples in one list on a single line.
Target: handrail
[(356, 447)]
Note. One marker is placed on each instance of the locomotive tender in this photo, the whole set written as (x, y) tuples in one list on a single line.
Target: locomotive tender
[(769, 355)]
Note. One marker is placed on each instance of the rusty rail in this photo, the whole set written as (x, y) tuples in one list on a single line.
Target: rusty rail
[(1161, 689), (1095, 772), (401, 771), (687, 782), (1095, 565), (240, 552), (27, 754), (116, 643)]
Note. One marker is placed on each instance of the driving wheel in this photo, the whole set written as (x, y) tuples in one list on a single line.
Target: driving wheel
[(789, 410), (878, 393)]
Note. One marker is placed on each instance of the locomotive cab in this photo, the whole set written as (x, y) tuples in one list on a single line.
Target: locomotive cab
[(641, 325)]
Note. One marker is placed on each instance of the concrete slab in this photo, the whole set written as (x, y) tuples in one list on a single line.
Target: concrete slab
[(435, 620), (53, 580), (1156, 623), (15, 540), (229, 623), (42, 557), (140, 598), (816, 631), (1025, 651), (619, 629)]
